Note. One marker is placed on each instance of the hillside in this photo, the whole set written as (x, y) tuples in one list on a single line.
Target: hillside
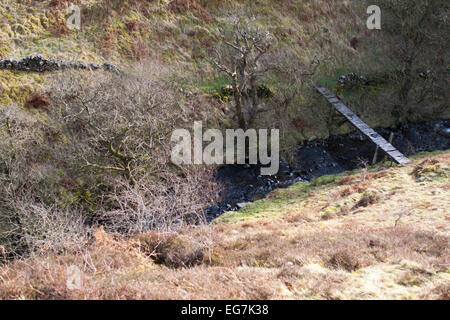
[(380, 233), (182, 33), (93, 206)]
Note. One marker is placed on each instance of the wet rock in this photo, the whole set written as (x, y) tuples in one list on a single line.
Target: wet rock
[(94, 66), (443, 129), (5, 64), (82, 65), (242, 204), (244, 184), (315, 161), (445, 132), (351, 80), (110, 67)]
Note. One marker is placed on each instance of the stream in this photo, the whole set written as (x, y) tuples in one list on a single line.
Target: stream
[(243, 183)]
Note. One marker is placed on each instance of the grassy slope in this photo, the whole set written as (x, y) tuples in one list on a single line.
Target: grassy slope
[(180, 34), (377, 233)]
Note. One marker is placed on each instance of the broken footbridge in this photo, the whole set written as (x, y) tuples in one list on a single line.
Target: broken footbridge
[(382, 143)]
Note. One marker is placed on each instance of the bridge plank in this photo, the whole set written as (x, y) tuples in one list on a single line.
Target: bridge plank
[(363, 127)]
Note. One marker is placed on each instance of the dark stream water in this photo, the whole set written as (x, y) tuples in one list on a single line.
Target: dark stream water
[(243, 183)]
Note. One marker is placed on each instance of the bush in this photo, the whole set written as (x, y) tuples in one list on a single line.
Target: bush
[(173, 250), (344, 259), (34, 227), (101, 156)]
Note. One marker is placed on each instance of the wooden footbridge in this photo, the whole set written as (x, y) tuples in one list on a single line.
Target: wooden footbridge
[(396, 155)]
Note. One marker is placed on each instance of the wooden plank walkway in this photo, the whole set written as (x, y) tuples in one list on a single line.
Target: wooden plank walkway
[(363, 127)]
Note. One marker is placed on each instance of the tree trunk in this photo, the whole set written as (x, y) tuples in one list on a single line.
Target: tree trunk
[(253, 97), (238, 105)]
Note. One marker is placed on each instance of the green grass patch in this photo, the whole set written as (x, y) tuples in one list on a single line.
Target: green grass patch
[(427, 154), (271, 207), (209, 85)]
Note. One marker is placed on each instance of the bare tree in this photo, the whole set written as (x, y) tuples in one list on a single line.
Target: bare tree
[(240, 56)]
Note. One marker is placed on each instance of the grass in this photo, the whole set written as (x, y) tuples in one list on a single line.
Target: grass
[(274, 204), (278, 200), (212, 85), (380, 232), (182, 34), (392, 247)]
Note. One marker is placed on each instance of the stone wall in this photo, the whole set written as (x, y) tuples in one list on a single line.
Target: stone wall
[(37, 63)]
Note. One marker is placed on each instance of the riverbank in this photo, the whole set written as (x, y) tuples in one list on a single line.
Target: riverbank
[(244, 184)]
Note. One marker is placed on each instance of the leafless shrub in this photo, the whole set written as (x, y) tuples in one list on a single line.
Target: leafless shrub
[(35, 227), (126, 136), (30, 218), (367, 199), (100, 157), (344, 260), (160, 204), (173, 250)]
